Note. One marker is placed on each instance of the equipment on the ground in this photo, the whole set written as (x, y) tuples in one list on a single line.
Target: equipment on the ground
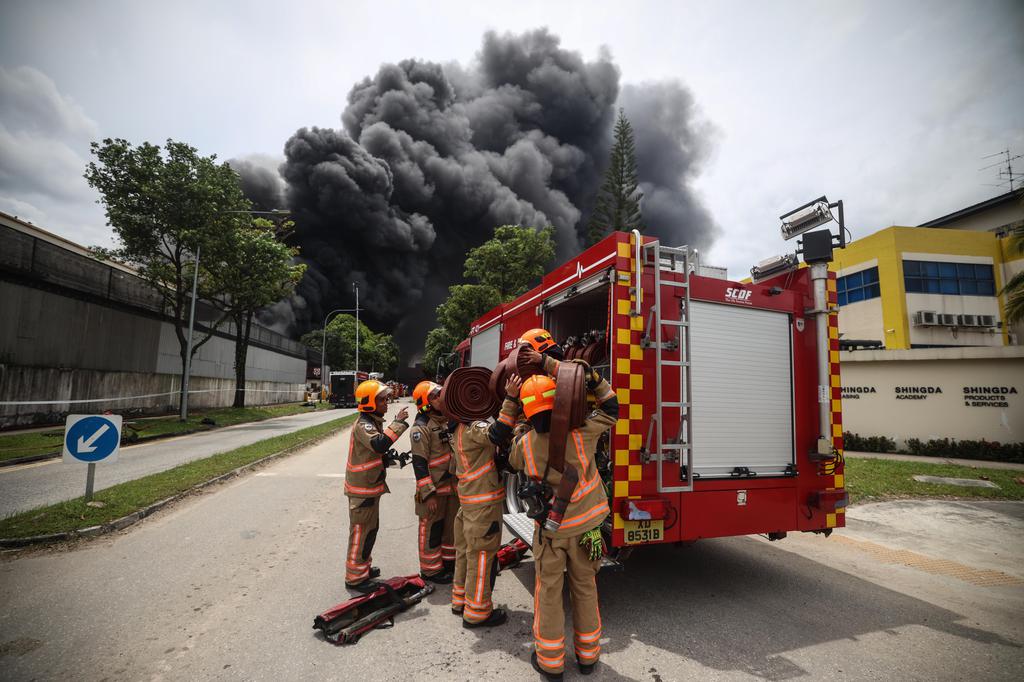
[(512, 553), (350, 620)]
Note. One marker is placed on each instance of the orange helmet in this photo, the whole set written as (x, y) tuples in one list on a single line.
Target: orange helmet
[(539, 339), (370, 393), (422, 394), (537, 394)]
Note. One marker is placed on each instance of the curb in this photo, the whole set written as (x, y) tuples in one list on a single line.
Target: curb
[(28, 459), (125, 521)]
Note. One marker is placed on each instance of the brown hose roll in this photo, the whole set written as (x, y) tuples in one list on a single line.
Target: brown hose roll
[(569, 411), (498, 378), (466, 395)]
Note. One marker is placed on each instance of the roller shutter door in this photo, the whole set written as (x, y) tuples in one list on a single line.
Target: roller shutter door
[(742, 390), (484, 347)]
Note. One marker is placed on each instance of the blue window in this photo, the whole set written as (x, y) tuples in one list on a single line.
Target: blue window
[(860, 286), (963, 279)]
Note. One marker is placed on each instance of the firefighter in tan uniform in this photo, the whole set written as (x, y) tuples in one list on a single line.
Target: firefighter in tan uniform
[(478, 522), (364, 479), (436, 497), (576, 547)]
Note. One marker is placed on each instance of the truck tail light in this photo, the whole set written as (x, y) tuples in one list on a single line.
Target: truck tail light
[(641, 510), (828, 500)]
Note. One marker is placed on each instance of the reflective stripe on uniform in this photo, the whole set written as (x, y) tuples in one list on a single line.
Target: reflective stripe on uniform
[(440, 461), (356, 468), (356, 490), (483, 498), (478, 472), (531, 465), (592, 513), (391, 434)]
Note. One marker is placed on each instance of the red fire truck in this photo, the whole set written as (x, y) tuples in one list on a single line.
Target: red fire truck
[(730, 420)]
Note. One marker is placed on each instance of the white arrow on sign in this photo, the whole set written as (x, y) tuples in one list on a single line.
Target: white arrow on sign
[(86, 444)]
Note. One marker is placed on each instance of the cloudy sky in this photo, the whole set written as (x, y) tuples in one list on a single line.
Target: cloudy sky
[(889, 106)]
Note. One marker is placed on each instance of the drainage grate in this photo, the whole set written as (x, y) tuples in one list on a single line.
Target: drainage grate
[(945, 567)]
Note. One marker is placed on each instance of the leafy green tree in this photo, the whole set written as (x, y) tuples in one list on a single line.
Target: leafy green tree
[(465, 303), (513, 259), (377, 352), (1013, 290), (165, 205), (437, 347), (618, 200), (252, 269)]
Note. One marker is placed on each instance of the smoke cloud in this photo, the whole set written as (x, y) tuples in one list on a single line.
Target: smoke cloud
[(431, 158)]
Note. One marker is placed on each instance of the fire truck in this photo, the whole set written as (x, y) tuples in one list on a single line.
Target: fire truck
[(730, 420)]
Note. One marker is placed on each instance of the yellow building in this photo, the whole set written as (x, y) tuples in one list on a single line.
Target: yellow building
[(932, 286)]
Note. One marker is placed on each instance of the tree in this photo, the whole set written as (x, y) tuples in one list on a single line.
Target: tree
[(513, 259), (465, 303), (378, 352), (1013, 290), (252, 269), (618, 200), (165, 206)]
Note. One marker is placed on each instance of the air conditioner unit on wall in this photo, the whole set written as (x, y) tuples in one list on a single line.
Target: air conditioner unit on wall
[(967, 320), (947, 320), (925, 318), (987, 321)]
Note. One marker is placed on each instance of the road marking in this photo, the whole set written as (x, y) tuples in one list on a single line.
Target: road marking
[(28, 465), (331, 475), (951, 569), (265, 473)]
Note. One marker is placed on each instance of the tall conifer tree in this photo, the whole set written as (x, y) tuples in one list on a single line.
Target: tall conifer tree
[(618, 200)]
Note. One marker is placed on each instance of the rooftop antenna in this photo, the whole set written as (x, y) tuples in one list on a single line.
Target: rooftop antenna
[(1006, 174)]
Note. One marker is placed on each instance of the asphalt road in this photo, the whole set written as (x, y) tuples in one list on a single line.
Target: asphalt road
[(41, 483), (225, 586)]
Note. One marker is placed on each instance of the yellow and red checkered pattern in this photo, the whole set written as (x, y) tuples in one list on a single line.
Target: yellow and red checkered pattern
[(835, 384), (628, 381)]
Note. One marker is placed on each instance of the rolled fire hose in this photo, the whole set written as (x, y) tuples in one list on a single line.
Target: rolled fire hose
[(512, 363), (569, 411), (466, 395)]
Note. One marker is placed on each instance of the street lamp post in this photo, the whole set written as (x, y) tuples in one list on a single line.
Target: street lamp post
[(323, 341), (355, 285)]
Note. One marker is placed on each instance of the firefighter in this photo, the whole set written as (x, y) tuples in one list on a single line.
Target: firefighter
[(576, 547), (364, 479), (541, 341), (436, 500), (478, 521)]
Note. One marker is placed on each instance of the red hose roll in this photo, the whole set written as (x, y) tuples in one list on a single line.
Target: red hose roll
[(466, 395)]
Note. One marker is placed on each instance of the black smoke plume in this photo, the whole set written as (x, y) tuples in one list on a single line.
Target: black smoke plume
[(432, 157)]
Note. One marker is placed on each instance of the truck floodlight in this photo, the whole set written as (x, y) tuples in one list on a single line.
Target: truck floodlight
[(774, 266), (807, 217)]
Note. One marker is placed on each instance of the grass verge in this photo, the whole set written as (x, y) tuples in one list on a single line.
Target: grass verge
[(131, 496), (43, 442), (868, 480)]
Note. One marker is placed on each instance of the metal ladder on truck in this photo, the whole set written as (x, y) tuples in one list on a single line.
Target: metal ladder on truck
[(676, 446)]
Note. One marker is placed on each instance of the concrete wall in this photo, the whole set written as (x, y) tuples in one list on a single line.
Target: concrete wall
[(60, 348), (930, 393)]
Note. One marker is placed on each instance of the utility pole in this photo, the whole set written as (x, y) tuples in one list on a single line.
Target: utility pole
[(188, 352), (355, 285)]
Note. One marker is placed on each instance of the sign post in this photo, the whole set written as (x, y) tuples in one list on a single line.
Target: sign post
[(89, 439)]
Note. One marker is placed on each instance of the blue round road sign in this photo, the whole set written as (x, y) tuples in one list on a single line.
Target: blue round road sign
[(92, 439)]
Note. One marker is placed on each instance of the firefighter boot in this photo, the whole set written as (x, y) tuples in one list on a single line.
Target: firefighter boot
[(547, 675), (498, 617)]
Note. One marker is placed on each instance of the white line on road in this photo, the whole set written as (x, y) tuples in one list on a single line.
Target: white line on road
[(265, 473), (331, 475)]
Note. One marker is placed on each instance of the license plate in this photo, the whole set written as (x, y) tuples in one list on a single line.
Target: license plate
[(637, 532)]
